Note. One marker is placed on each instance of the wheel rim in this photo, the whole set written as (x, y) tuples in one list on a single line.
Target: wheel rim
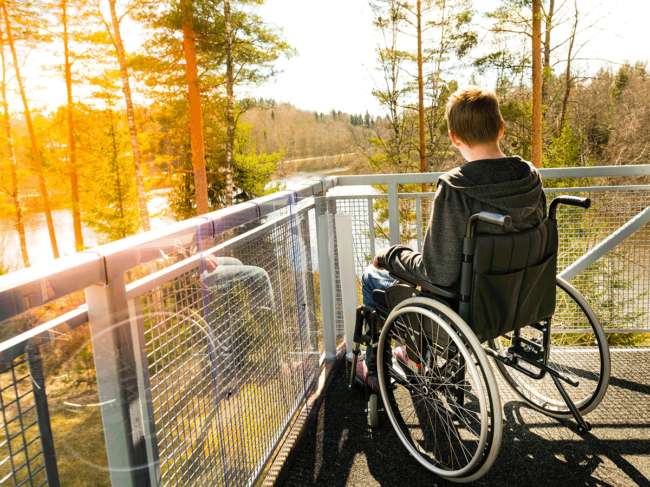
[(577, 349), (446, 437)]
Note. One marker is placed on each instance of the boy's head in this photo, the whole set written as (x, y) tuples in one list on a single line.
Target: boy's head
[(473, 117)]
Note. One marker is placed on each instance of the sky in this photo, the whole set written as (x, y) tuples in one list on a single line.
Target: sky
[(336, 61), (336, 42)]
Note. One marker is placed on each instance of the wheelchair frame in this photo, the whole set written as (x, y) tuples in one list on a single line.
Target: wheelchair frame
[(522, 352)]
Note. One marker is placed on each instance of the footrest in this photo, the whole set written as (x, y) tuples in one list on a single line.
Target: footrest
[(364, 378)]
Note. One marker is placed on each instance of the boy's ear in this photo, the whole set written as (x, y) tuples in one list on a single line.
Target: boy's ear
[(501, 129), (454, 139)]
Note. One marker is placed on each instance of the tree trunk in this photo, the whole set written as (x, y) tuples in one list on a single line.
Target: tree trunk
[(230, 115), (568, 80), (38, 164), (130, 115), (196, 115), (547, 50), (423, 147), (74, 177), (536, 146), (12, 160)]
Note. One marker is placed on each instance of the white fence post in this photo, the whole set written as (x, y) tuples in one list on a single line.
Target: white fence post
[(348, 278), (326, 285), (118, 383)]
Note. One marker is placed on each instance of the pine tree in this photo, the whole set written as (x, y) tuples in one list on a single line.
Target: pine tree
[(116, 36), (36, 155), (12, 188)]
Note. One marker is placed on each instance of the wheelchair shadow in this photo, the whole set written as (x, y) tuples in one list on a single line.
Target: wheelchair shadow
[(341, 449)]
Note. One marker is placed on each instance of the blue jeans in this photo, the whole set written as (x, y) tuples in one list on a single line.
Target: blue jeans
[(372, 279)]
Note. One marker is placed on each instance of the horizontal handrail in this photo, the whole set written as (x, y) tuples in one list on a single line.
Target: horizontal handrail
[(45, 333), (548, 173), (30, 288), (36, 286), (147, 283)]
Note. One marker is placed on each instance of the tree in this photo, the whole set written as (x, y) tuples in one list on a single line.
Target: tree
[(116, 37), (196, 114), (230, 101), (13, 191), (423, 142), (36, 155), (255, 47), (536, 152), (74, 172), (111, 202), (392, 140)]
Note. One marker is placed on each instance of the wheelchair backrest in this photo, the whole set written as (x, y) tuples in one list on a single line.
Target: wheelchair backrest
[(513, 280)]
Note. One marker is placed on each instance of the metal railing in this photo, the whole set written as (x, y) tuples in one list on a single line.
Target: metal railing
[(195, 374)]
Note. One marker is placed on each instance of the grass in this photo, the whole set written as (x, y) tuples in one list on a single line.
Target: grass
[(79, 440)]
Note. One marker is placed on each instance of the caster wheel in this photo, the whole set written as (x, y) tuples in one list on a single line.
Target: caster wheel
[(582, 431), (373, 410)]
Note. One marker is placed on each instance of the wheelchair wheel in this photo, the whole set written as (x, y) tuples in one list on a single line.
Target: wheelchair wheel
[(439, 390), (373, 409), (578, 348)]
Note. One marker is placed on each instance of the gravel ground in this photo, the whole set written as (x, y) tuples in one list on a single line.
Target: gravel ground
[(342, 450)]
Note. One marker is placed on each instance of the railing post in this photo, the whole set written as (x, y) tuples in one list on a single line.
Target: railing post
[(326, 285), (393, 213), (418, 221), (43, 415), (371, 227), (348, 279), (117, 382)]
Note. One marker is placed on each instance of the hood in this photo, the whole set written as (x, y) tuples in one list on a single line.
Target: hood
[(511, 185)]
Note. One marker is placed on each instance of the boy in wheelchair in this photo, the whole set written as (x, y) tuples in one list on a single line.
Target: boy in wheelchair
[(485, 285), (489, 181)]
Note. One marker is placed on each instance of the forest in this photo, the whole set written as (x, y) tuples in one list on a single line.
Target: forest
[(176, 113)]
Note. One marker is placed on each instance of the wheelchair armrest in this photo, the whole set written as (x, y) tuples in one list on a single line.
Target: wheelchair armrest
[(426, 286), (567, 200), (504, 221)]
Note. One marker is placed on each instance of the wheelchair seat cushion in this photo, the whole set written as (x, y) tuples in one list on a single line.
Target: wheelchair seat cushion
[(513, 282)]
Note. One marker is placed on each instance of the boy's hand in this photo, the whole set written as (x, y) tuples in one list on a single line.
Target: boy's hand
[(210, 262), (376, 264)]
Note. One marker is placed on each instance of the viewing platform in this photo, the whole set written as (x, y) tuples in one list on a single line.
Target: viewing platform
[(212, 352)]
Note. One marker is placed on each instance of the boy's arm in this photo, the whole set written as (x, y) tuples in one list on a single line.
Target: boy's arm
[(443, 242), (402, 259)]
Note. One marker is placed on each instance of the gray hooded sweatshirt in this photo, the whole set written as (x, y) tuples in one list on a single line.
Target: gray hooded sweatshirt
[(507, 186)]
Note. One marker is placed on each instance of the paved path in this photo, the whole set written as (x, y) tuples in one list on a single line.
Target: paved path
[(342, 450)]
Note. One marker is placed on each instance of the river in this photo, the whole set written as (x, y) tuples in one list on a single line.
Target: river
[(38, 241)]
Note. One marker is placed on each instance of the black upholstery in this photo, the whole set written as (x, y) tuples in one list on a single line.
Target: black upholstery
[(379, 296), (513, 283)]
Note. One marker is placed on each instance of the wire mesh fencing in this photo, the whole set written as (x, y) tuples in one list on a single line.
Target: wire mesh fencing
[(21, 452), (617, 285), (232, 351)]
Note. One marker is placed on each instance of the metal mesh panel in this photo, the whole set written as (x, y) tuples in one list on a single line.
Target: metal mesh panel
[(21, 455), (362, 211), (617, 285), (231, 355)]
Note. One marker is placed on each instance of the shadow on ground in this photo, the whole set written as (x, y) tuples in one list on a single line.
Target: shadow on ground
[(342, 450)]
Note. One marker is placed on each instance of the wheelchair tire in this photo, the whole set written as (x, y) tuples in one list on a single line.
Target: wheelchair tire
[(578, 348), (457, 441), (373, 410)]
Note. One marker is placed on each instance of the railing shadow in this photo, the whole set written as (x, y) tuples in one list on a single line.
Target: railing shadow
[(342, 449)]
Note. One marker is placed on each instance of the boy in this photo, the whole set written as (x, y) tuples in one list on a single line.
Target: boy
[(489, 181)]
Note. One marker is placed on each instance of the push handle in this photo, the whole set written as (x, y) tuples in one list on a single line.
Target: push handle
[(568, 200), (504, 221)]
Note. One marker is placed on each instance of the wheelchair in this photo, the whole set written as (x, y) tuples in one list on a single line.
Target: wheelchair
[(432, 345)]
